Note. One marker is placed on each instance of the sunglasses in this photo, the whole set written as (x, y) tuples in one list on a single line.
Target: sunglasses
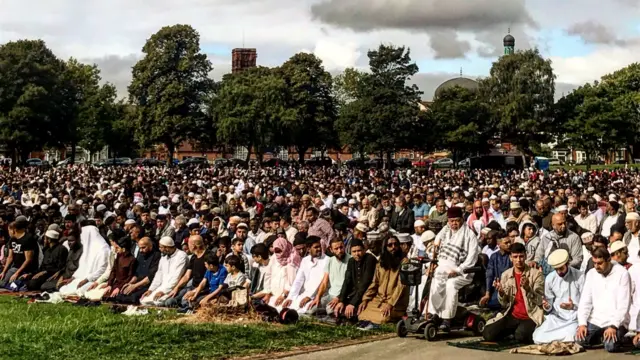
[(393, 244)]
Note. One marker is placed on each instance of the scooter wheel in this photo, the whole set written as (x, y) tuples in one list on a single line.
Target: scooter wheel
[(401, 329), (478, 326), (430, 332)]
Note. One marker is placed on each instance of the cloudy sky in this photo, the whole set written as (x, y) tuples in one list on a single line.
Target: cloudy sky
[(585, 39)]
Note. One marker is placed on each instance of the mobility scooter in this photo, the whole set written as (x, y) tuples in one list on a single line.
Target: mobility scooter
[(468, 316)]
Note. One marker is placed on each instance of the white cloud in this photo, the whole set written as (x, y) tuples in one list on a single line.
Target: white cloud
[(337, 55), (604, 60)]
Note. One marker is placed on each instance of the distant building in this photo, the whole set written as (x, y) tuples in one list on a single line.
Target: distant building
[(243, 59)]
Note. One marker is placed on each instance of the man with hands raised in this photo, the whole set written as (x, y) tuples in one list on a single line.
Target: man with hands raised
[(520, 291)]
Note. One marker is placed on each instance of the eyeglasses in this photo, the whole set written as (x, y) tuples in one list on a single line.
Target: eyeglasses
[(392, 244)]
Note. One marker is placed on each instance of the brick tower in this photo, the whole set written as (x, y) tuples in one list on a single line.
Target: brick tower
[(242, 59)]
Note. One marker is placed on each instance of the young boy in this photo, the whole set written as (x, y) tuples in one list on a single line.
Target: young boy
[(237, 249), (236, 279), (210, 286)]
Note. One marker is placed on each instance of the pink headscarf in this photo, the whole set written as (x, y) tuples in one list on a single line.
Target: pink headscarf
[(288, 254)]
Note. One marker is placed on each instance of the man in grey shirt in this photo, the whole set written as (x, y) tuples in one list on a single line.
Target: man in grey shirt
[(560, 238)]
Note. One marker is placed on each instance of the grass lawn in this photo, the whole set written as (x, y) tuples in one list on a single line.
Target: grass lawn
[(46, 331)]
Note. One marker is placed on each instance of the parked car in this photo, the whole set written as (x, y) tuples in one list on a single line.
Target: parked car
[(320, 161), (67, 161), (555, 162), (275, 162), (355, 163), (374, 163), (422, 163), (149, 162), (443, 163), (403, 162), (194, 161), (35, 162), (465, 163)]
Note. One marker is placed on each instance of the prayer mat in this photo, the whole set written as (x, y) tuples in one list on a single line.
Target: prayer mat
[(486, 345), (555, 348)]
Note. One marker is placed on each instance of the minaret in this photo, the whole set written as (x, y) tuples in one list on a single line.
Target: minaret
[(509, 43)]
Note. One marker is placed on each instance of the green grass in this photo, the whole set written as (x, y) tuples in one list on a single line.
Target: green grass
[(46, 331)]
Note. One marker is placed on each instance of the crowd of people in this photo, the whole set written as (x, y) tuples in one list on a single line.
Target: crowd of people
[(560, 250)]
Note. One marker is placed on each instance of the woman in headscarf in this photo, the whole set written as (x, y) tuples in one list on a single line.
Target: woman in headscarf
[(283, 265)]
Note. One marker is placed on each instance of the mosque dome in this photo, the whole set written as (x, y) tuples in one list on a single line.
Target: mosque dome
[(466, 83), (509, 40)]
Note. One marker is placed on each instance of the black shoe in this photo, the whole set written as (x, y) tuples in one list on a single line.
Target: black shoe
[(118, 309), (81, 302), (445, 326)]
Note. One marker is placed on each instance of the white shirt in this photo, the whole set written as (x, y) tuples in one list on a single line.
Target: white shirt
[(605, 301), (170, 270), (634, 247), (606, 225), (291, 233), (308, 278), (634, 311), (589, 223), (488, 251)]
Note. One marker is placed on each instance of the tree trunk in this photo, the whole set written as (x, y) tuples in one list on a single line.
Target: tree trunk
[(171, 152), (301, 153), (248, 153), (73, 152), (588, 155), (14, 158)]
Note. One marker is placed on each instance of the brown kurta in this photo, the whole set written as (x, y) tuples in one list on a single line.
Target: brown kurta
[(386, 288)]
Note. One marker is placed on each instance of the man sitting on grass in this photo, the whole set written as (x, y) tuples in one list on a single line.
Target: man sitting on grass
[(122, 272), (360, 271), (146, 267), (193, 274), (308, 279), (333, 279), (209, 288), (170, 269), (63, 277), (520, 291), (23, 253), (55, 258), (603, 311)]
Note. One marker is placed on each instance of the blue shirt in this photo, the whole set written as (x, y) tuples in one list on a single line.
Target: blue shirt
[(216, 279), (421, 211), (498, 264)]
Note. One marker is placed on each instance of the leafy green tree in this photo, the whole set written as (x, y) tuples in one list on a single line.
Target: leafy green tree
[(169, 88), (461, 118), (384, 116), (31, 97), (520, 90), (251, 108), (584, 116), (88, 107), (312, 104)]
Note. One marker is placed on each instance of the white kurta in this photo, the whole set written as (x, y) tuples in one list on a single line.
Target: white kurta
[(458, 251), (307, 282), (634, 310), (560, 324)]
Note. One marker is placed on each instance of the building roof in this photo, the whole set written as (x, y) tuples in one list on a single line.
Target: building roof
[(460, 81)]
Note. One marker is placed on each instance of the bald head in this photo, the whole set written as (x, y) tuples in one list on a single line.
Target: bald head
[(145, 245), (559, 223), (196, 242)]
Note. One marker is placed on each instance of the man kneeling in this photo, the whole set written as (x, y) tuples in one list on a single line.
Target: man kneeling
[(520, 291)]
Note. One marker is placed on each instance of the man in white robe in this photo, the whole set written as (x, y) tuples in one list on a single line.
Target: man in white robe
[(562, 291), (93, 262), (458, 251), (308, 279)]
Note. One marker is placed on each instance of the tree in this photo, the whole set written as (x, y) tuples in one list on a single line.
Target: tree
[(461, 119), (349, 90), (520, 90), (310, 99), (88, 107), (169, 88), (583, 114), (251, 108), (30, 97), (384, 116)]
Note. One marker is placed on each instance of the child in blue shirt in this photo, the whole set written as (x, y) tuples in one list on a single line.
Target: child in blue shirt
[(210, 286)]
